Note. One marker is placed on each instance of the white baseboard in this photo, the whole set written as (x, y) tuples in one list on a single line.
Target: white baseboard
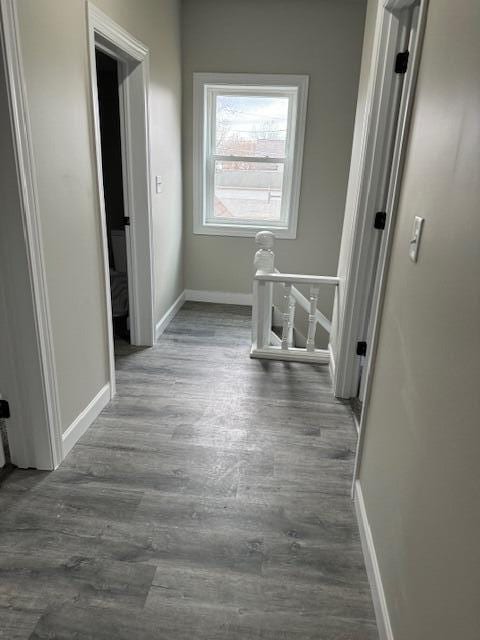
[(169, 315), (373, 570), (219, 297), (357, 424), (85, 419), (331, 364)]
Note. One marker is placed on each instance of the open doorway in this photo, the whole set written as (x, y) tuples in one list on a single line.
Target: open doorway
[(113, 190), (131, 243)]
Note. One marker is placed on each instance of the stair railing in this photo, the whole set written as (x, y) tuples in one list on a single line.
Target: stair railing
[(266, 343)]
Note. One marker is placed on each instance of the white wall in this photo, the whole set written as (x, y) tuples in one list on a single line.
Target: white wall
[(320, 38), (420, 473), (54, 48)]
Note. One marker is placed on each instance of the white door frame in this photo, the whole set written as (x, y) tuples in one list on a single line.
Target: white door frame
[(133, 56), (28, 363), (417, 30), (34, 428), (368, 254)]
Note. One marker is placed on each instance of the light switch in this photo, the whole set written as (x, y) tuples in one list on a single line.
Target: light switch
[(158, 184), (415, 239)]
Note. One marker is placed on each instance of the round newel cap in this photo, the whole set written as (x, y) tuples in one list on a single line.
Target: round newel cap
[(265, 239)]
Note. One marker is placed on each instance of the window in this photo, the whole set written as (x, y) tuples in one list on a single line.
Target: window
[(248, 150)]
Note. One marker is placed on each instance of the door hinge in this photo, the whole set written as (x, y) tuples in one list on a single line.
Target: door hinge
[(361, 348), (4, 409), (126, 221), (401, 62), (380, 220)]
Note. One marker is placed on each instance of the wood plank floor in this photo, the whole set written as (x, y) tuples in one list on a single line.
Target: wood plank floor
[(209, 501)]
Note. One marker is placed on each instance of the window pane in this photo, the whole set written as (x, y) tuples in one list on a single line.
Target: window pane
[(253, 126), (248, 190)]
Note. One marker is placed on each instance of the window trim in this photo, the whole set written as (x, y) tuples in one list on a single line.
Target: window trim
[(292, 163)]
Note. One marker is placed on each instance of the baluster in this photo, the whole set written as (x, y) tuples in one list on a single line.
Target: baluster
[(288, 316), (259, 336), (312, 319), (291, 320)]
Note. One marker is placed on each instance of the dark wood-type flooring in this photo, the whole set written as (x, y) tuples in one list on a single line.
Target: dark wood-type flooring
[(209, 501)]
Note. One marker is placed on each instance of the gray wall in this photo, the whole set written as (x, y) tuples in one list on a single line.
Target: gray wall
[(54, 48), (420, 473), (320, 38)]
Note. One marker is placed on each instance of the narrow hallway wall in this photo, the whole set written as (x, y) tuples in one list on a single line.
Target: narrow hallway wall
[(419, 471)]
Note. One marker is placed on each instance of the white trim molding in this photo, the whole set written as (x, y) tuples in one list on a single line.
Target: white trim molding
[(293, 354), (399, 27), (47, 427), (206, 88), (219, 297), (168, 316), (417, 29), (133, 58), (373, 570), (85, 419), (398, 5), (116, 34), (331, 363)]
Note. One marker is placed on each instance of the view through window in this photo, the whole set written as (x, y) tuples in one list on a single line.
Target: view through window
[(248, 152), (250, 145)]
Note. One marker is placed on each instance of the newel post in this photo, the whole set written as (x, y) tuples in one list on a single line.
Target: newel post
[(264, 262)]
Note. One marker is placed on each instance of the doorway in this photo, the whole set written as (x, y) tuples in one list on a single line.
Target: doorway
[(373, 189), (113, 190), (403, 68), (126, 247)]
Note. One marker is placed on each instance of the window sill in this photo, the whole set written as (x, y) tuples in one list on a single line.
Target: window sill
[(247, 231)]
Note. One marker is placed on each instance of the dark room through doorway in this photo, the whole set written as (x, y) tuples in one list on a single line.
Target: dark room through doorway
[(113, 188)]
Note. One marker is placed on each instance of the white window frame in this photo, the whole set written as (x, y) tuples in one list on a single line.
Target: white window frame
[(205, 87)]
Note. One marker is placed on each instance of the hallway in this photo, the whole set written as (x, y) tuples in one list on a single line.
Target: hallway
[(210, 500)]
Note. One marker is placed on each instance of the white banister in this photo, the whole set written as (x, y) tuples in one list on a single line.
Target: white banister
[(264, 261), (288, 317), (312, 319), (265, 343), (295, 278), (274, 339), (305, 304), (263, 291), (291, 320)]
